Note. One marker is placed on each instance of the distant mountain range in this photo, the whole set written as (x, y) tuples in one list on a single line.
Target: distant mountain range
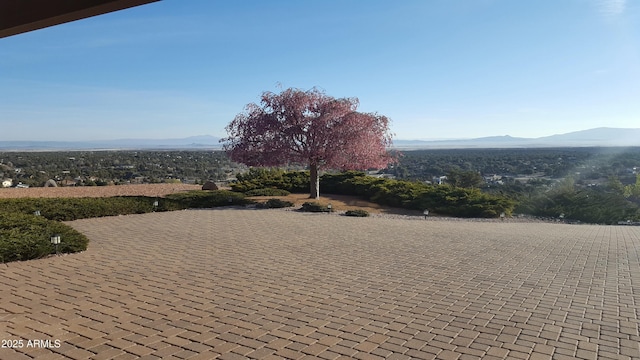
[(192, 142), (598, 137)]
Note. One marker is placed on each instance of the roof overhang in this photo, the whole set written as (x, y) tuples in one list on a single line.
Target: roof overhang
[(19, 16)]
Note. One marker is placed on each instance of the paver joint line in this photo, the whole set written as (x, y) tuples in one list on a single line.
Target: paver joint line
[(240, 283)]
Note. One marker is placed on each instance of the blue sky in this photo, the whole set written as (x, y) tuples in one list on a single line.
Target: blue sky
[(438, 68)]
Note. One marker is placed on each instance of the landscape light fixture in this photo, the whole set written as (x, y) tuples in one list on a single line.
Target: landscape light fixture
[(155, 205), (426, 213), (502, 215), (55, 240), (329, 207)]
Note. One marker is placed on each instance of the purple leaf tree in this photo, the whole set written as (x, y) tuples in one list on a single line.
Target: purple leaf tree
[(309, 128)]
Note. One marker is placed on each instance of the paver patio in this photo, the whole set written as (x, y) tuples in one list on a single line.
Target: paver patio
[(201, 284)]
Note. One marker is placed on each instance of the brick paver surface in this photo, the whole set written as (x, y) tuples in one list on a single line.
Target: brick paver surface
[(272, 284)]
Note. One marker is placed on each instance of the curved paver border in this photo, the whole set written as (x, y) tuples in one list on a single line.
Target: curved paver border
[(201, 284)]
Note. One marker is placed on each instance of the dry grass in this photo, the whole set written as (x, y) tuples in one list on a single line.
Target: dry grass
[(158, 190), (341, 203)]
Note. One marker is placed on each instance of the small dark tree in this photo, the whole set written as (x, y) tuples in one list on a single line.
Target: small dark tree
[(465, 179), (310, 128)]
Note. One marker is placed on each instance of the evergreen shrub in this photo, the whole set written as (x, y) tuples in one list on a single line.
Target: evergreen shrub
[(274, 204), (267, 192), (312, 206), (25, 237), (357, 213), (259, 178)]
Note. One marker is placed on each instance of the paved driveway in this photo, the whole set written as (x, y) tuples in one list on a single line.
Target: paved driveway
[(202, 284)]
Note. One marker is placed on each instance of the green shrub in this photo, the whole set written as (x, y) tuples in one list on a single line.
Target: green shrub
[(267, 192), (462, 202), (25, 237), (363, 186), (337, 183), (259, 178), (274, 204), (398, 193), (312, 206), (444, 199), (204, 199), (357, 213), (68, 209), (587, 205)]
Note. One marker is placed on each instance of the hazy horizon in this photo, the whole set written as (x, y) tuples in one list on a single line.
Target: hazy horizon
[(596, 135)]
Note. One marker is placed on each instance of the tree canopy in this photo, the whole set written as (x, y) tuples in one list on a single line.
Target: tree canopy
[(310, 128)]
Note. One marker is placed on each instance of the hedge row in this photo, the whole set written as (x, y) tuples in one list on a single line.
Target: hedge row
[(441, 199), (261, 178), (68, 209), (202, 199)]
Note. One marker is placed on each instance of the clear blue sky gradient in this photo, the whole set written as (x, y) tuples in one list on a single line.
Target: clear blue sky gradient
[(438, 68)]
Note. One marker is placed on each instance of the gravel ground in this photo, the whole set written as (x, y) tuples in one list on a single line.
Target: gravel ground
[(416, 216), (97, 191)]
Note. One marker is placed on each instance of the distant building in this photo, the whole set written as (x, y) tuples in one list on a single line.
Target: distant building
[(7, 183), (439, 180), (494, 179), (67, 182)]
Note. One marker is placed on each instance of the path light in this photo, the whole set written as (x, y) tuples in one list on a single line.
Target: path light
[(426, 213), (561, 217), (55, 240), (502, 215), (155, 205), (329, 207)]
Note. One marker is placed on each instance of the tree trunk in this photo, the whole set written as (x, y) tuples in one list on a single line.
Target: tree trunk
[(315, 182)]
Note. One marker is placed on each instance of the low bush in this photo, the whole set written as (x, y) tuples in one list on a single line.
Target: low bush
[(259, 178), (267, 192), (25, 237), (203, 199), (357, 213), (337, 183), (312, 206), (274, 204), (68, 209), (442, 199)]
